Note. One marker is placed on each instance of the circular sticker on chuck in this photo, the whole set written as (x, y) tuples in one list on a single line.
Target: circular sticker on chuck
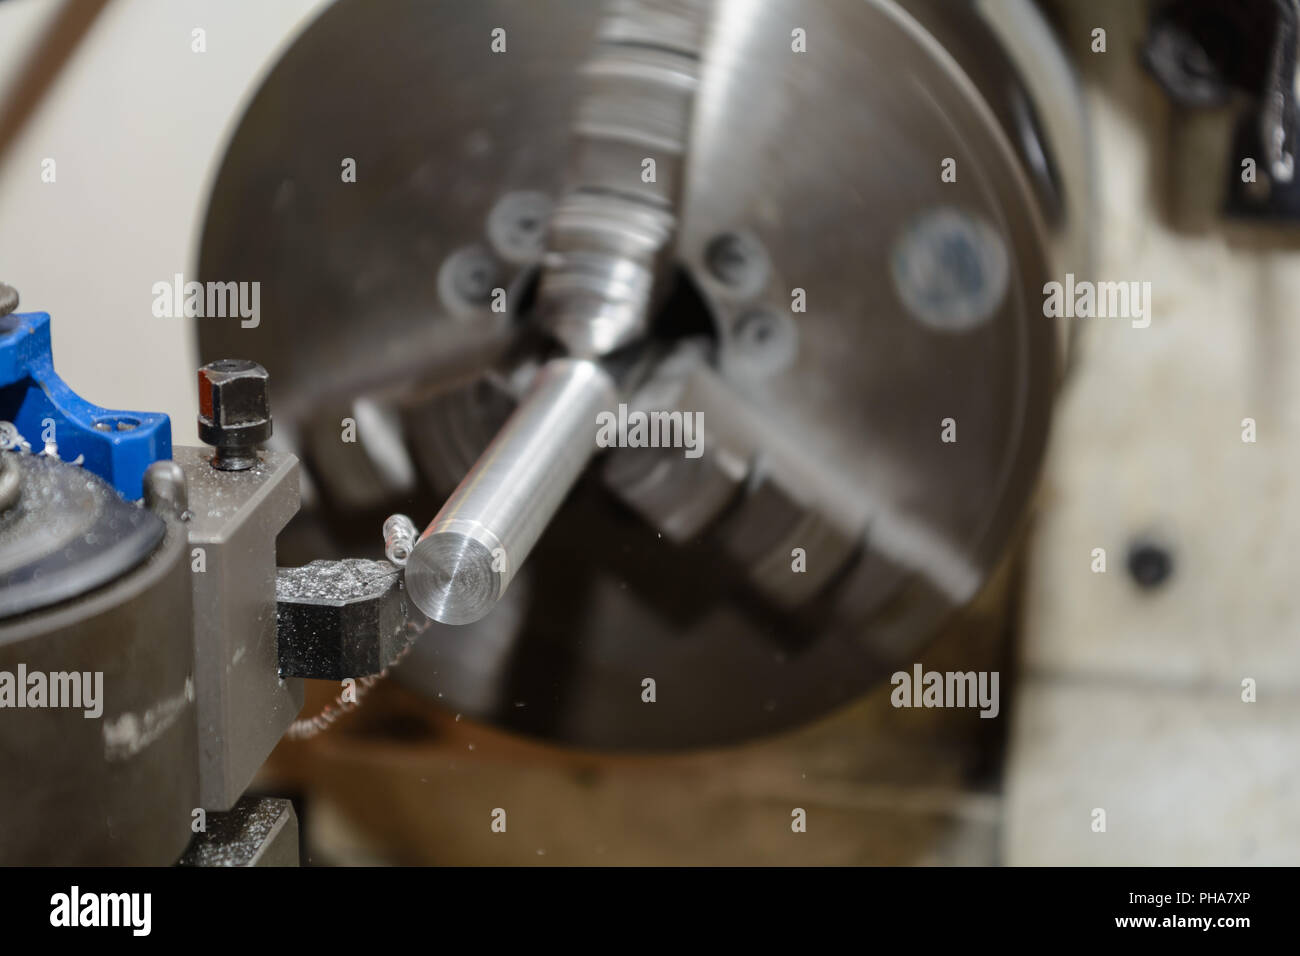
[(950, 269)]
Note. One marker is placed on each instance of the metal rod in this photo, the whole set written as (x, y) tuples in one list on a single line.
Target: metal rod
[(470, 552), (606, 253)]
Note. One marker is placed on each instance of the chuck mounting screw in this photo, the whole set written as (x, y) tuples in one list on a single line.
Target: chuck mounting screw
[(234, 411)]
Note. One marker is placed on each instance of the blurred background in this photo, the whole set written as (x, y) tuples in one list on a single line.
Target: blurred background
[(1121, 690)]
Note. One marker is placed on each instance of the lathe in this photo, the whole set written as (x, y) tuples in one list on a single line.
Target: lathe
[(454, 255)]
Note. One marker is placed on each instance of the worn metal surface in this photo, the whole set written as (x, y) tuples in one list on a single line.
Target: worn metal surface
[(69, 534), (844, 203), (117, 788), (243, 705), (257, 831), (339, 619)]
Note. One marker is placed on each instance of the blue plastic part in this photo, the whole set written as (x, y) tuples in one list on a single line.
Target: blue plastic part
[(117, 446)]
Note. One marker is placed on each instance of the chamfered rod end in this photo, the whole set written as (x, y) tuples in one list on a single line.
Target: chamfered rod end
[(466, 558)]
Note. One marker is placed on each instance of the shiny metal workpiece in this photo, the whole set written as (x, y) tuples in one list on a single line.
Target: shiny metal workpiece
[(399, 538), (604, 267), (612, 231), (468, 555)]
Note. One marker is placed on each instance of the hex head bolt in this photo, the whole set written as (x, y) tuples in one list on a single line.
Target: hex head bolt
[(234, 411)]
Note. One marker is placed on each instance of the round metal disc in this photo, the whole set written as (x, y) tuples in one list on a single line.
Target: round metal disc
[(922, 306), (64, 533)]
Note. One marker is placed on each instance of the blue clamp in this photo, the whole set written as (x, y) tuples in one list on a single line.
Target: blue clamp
[(117, 446)]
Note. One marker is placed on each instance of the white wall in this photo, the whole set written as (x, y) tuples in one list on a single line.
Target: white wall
[(136, 124)]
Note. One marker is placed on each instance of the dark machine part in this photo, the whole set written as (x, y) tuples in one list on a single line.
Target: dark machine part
[(1269, 132), (257, 831), (812, 174), (118, 786), (1202, 51), (244, 705), (238, 500), (1206, 55), (234, 412), (339, 619)]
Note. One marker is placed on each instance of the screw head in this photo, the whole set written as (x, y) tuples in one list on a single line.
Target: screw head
[(234, 411), (8, 299), (517, 226), (738, 261)]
